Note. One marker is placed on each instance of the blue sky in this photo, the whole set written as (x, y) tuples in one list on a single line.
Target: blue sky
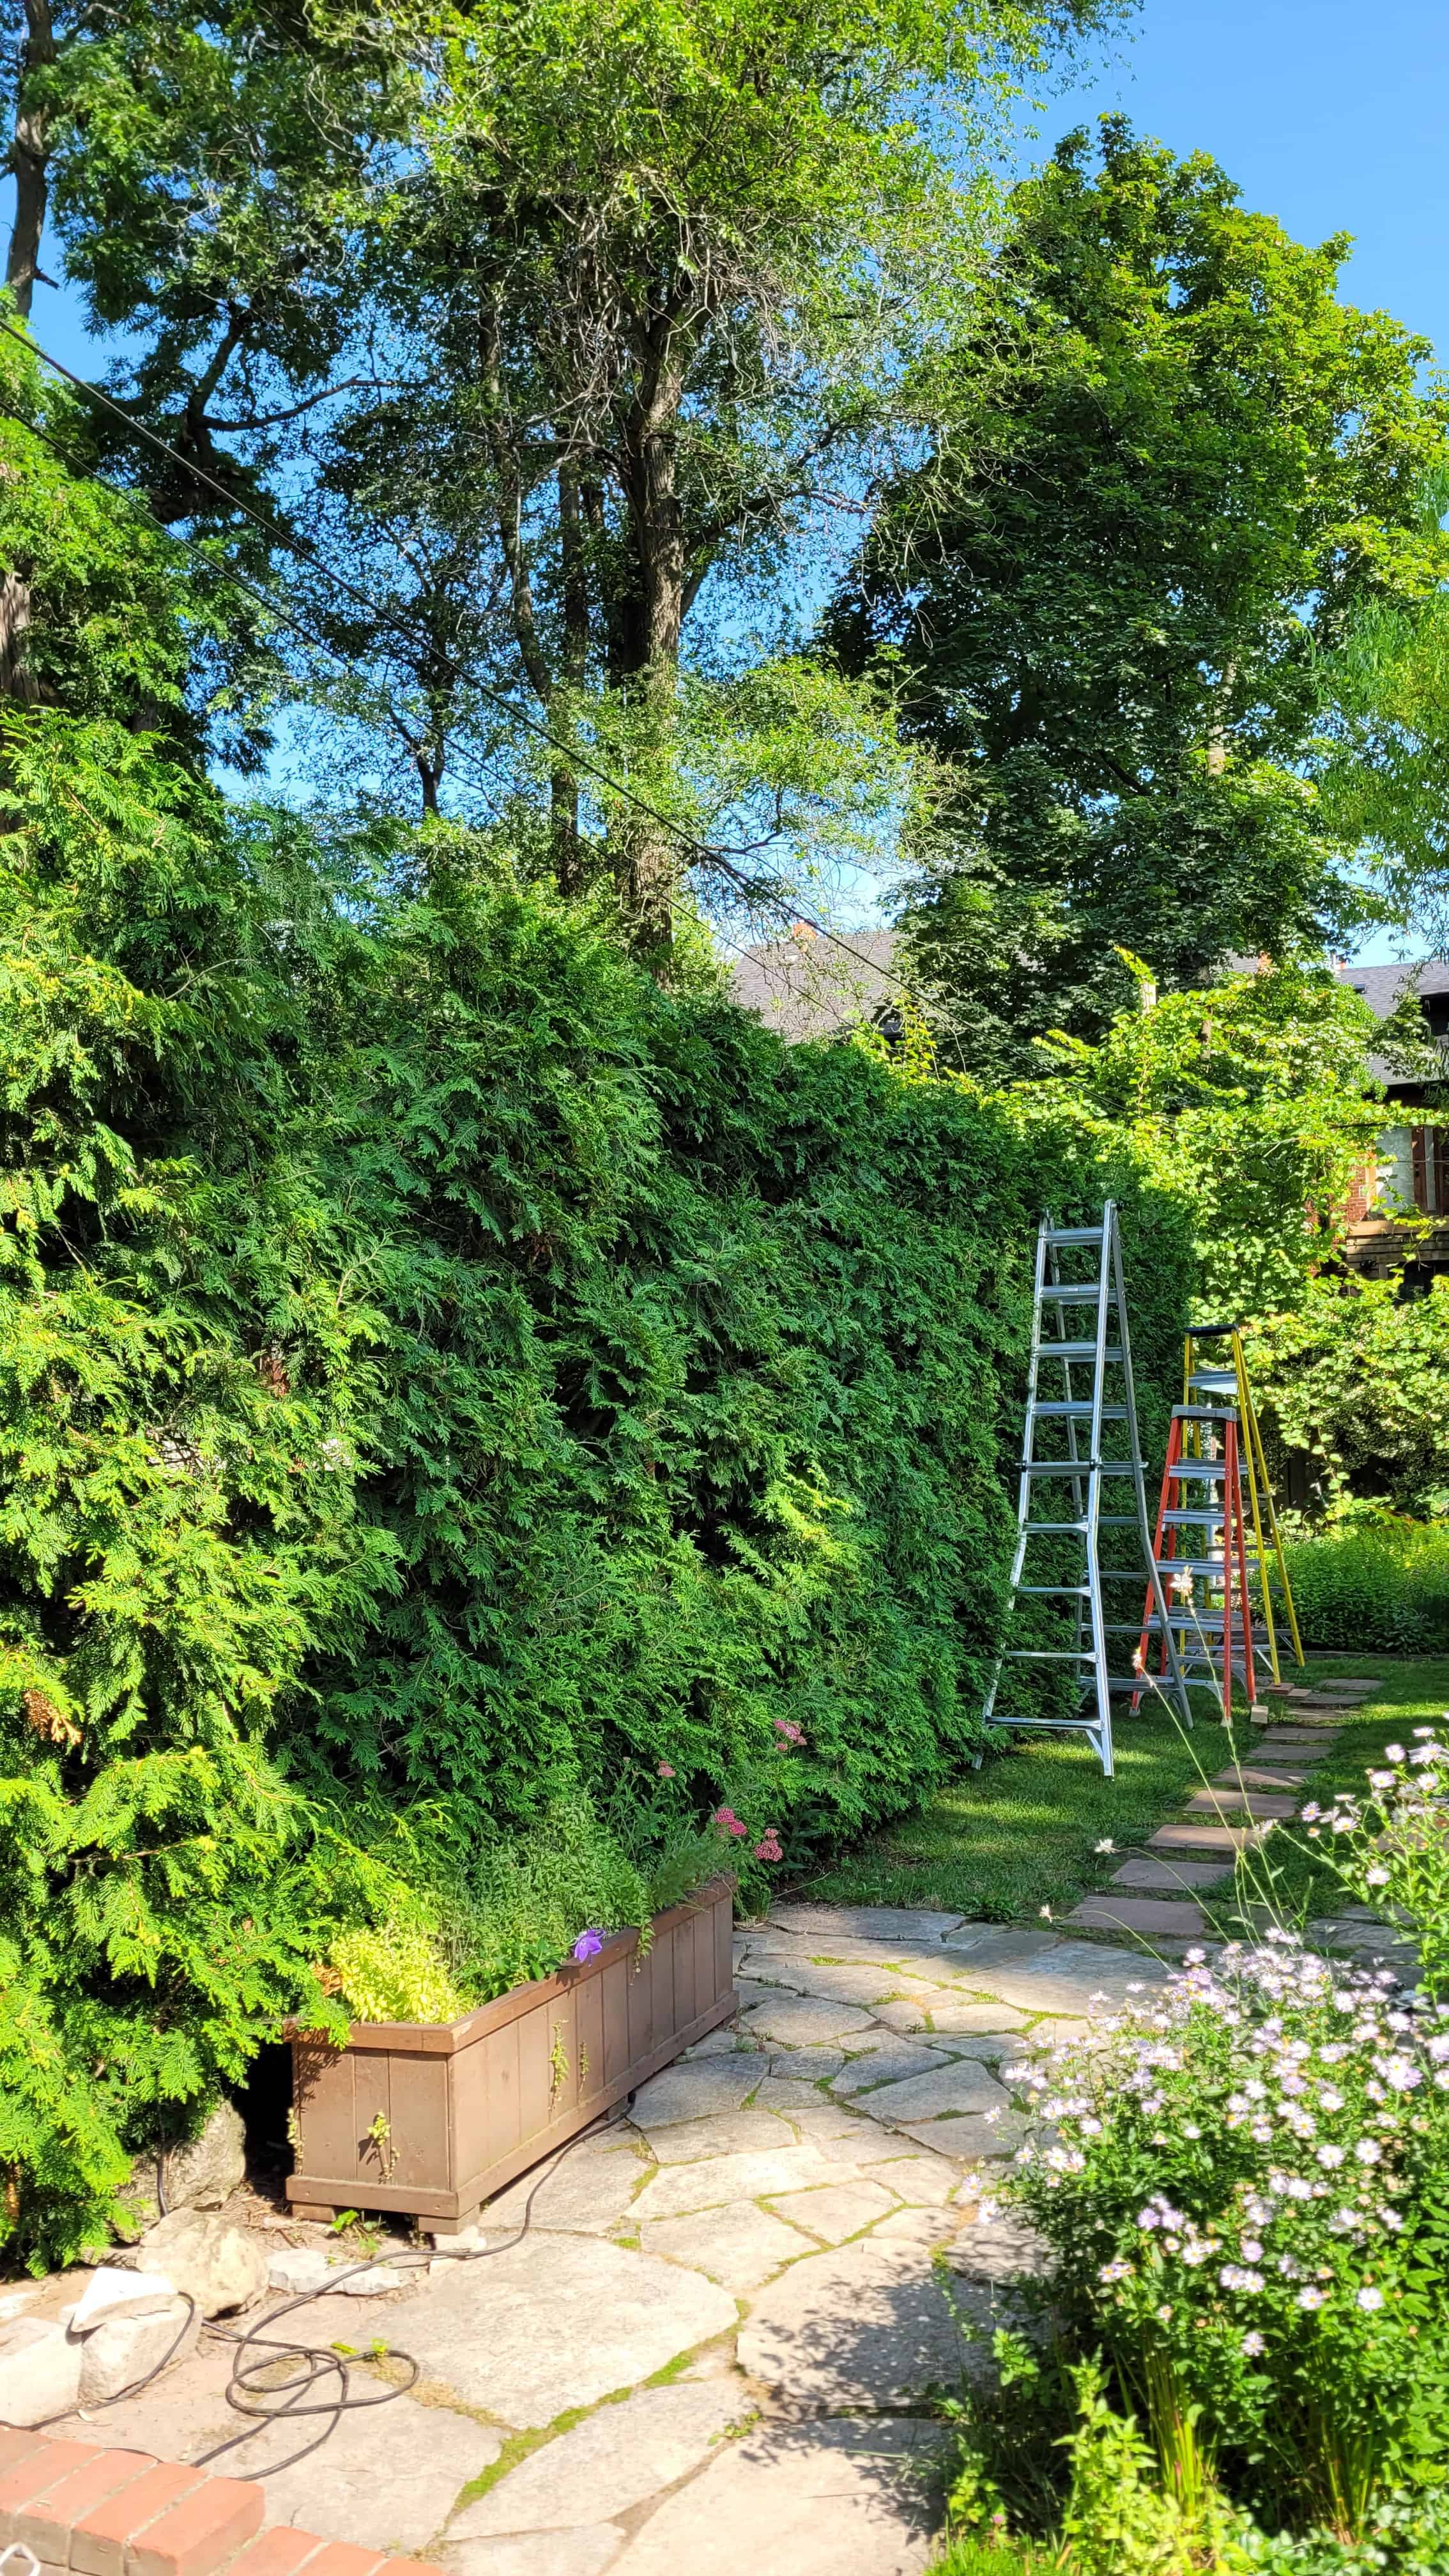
[(1332, 115)]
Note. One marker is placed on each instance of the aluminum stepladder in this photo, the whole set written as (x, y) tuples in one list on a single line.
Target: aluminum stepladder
[(1214, 1482), (1064, 1445)]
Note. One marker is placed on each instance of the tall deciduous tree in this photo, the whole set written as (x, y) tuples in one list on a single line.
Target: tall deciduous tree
[(1173, 464), (550, 310)]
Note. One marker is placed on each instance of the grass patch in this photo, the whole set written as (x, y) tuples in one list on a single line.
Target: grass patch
[(1288, 1871), (1022, 1832)]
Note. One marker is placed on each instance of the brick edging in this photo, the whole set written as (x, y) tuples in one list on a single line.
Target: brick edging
[(122, 2513)]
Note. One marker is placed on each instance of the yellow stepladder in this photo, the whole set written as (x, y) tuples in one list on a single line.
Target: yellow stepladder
[(1232, 1384)]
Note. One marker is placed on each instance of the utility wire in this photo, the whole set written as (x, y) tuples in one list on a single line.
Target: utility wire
[(703, 852)]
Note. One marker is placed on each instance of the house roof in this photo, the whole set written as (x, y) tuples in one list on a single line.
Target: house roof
[(1383, 987), (811, 986)]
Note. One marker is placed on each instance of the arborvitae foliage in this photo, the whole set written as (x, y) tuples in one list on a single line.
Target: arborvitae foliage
[(438, 1371)]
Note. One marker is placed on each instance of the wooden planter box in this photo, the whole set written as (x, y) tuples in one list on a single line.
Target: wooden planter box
[(430, 2118)]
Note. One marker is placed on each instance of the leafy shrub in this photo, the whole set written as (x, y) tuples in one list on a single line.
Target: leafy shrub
[(1354, 1377), (1380, 1587), (1246, 2205), (395, 1973)]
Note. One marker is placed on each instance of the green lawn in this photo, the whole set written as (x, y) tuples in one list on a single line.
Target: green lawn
[(1022, 1832)]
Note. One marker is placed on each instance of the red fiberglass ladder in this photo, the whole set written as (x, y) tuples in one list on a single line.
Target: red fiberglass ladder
[(1201, 1550)]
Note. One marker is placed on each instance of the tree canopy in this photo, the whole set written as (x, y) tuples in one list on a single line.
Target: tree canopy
[(1171, 468)]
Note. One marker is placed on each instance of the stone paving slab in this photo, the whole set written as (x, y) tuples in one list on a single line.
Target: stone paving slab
[(1064, 1976), (1292, 1740), (733, 2133), (864, 1922), (966, 2086), (621, 2457), (804, 2021), (696, 2090), (1250, 1802), (559, 2321), (835, 2499), (1244, 1776), (583, 2551), (984, 2137), (1199, 1836), (1161, 1874), (1151, 1918), (837, 2210), (738, 2244), (677, 2189), (868, 2325)]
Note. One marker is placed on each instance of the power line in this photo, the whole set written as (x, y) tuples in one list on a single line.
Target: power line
[(702, 852)]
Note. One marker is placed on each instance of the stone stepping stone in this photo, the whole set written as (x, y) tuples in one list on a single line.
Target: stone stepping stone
[(840, 2498), (1241, 1776), (1252, 1802), (1194, 1835), (1170, 1877), (1295, 1739), (1155, 1918), (617, 2460)]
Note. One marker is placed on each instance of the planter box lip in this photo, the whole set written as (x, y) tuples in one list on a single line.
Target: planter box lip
[(445, 2038)]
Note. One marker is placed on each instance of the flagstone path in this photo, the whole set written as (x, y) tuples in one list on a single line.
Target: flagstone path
[(718, 2335), (1228, 1816)]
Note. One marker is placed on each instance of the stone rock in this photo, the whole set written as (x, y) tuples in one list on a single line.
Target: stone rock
[(620, 2458), (864, 1922), (841, 2499), (465, 2241), (837, 2210), (40, 2371), (581, 2551), (898, 2015), (379, 2278), (805, 2021), (214, 2261), (1165, 1875), (695, 2091), (868, 2325), (677, 2189), (557, 2321), (123, 2350), (110, 2292), (964, 2085), (207, 2170), (13, 2304), (738, 2245), (1153, 1918), (299, 2269)]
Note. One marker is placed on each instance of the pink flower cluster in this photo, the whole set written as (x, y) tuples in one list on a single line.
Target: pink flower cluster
[(787, 1732), (728, 1822), (768, 1847)]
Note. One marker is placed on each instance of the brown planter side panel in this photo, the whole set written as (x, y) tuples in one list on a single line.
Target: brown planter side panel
[(431, 2119)]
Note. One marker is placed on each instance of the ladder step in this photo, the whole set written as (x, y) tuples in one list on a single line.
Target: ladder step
[(1204, 1413), (1214, 1382), (1077, 1234), (1077, 1410), (1206, 1467), (1118, 1520), (1183, 1518), (1079, 1292), (1075, 1467), (1059, 1591), (1082, 1351), (1060, 1529), (1054, 1654)]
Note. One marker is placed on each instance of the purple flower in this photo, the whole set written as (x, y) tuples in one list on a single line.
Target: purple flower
[(588, 1945)]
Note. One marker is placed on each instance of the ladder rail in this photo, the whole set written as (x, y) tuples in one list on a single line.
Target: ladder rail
[(1139, 1485)]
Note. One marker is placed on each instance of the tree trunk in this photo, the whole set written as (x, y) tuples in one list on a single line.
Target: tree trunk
[(29, 157)]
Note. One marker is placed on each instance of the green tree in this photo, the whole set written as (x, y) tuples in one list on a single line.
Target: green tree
[(1173, 466), (540, 319)]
